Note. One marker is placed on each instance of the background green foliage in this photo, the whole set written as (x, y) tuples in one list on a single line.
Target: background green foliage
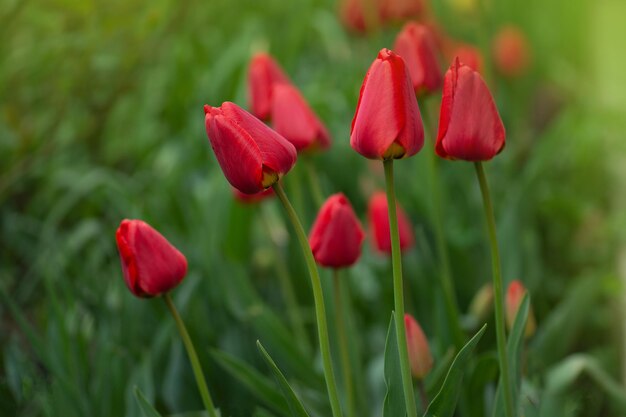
[(101, 119)]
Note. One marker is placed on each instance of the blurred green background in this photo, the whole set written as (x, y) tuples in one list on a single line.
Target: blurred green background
[(101, 119)]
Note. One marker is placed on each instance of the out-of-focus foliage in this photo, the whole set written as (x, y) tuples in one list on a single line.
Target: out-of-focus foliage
[(101, 119)]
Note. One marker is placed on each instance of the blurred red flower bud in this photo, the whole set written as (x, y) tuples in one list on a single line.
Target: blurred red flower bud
[(420, 358), (387, 123), (252, 198), (468, 55), (252, 156), (514, 295), (295, 121), (470, 127), (263, 74), (379, 224), (353, 16), (416, 45), (150, 264), (336, 236), (394, 10), (511, 54)]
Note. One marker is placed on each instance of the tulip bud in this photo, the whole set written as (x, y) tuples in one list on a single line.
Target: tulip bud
[(393, 10), (295, 121), (252, 156), (252, 198), (420, 359), (482, 303), (353, 15), (468, 55), (263, 74), (514, 295), (416, 46), (387, 123), (470, 127), (150, 264), (379, 224), (336, 236), (511, 54)]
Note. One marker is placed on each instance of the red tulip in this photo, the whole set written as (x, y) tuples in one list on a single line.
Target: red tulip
[(293, 118), (352, 15), (416, 46), (420, 358), (252, 198), (392, 10), (470, 127), (514, 295), (379, 224), (468, 55), (151, 265), (511, 54), (336, 236), (252, 156), (387, 123), (263, 74)]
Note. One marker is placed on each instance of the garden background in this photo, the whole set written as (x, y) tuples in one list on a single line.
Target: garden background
[(101, 119)]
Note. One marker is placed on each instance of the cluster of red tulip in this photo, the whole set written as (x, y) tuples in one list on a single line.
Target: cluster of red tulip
[(387, 125)]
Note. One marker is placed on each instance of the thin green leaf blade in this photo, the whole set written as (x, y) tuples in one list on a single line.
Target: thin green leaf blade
[(394, 404), (444, 403), (514, 353), (294, 403), (259, 385), (146, 408)]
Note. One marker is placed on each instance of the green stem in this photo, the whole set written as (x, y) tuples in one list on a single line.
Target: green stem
[(343, 344), (288, 292), (318, 298), (497, 289), (398, 292), (193, 357), (447, 284), (314, 182)]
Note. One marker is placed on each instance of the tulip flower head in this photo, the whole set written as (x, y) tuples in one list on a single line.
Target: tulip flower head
[(252, 156), (416, 46), (387, 123), (420, 358), (150, 264), (379, 224), (263, 74), (470, 127), (511, 53), (393, 10), (514, 295), (295, 121), (336, 236)]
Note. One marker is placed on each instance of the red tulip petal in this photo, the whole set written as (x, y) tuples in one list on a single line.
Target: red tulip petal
[(293, 118), (470, 127), (263, 73), (151, 265)]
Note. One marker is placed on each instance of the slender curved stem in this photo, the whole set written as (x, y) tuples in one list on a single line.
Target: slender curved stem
[(318, 298), (343, 344), (398, 291), (193, 357), (314, 182), (498, 291)]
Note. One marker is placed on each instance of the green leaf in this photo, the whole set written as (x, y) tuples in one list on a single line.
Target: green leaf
[(394, 405), (259, 385), (514, 347), (444, 403), (296, 407), (146, 408), (565, 373)]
